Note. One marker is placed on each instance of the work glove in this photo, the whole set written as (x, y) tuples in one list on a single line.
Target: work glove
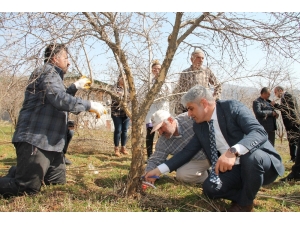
[(83, 83), (97, 108)]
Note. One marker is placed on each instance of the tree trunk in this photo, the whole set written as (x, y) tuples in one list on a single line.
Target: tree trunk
[(137, 162)]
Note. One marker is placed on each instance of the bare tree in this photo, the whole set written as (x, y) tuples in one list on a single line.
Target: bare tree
[(125, 43), (11, 95)]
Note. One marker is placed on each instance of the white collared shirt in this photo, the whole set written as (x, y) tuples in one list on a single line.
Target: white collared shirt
[(221, 143)]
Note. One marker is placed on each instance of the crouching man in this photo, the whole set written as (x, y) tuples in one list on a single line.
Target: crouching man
[(175, 133)]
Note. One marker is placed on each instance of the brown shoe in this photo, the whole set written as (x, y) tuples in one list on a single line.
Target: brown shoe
[(235, 207), (123, 150), (117, 152)]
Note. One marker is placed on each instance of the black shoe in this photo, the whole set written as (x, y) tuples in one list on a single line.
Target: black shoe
[(291, 177), (292, 160), (11, 172), (68, 162)]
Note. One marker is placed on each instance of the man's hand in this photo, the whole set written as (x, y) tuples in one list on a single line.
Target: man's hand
[(83, 83), (97, 108), (225, 162), (154, 172), (272, 103), (275, 114)]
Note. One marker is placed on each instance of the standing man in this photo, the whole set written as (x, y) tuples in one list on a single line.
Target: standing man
[(289, 110), (41, 130), (265, 113), (235, 143), (196, 74), (162, 103), (175, 133)]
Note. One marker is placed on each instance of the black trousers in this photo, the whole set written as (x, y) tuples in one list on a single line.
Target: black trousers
[(70, 134), (296, 166), (293, 136), (271, 137), (34, 167), (149, 141)]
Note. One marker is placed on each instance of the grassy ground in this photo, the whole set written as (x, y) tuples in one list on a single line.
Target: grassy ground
[(96, 175)]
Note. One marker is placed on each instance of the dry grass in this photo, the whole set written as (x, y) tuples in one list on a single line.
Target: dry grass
[(96, 175)]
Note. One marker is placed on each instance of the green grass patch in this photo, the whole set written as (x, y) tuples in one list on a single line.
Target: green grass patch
[(96, 175)]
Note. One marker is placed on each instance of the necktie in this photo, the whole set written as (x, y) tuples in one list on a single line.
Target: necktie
[(214, 178)]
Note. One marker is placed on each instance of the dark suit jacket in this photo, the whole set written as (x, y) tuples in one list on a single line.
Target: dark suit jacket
[(238, 126), (263, 111), (289, 111)]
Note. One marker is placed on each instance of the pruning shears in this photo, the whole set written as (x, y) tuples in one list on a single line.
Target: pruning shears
[(145, 183)]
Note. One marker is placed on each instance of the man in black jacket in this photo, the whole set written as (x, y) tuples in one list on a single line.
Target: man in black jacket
[(290, 117), (289, 111), (265, 113)]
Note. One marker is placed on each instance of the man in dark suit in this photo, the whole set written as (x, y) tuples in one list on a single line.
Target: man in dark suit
[(246, 161), (289, 111), (290, 117), (265, 113)]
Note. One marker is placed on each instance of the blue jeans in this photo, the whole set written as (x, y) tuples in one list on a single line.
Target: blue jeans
[(121, 126)]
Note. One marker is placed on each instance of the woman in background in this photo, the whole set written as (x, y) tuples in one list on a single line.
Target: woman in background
[(120, 120)]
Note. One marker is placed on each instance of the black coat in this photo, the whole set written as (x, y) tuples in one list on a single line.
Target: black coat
[(263, 111), (289, 111)]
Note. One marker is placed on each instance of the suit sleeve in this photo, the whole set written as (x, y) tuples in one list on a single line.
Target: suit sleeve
[(185, 155), (259, 112), (254, 134)]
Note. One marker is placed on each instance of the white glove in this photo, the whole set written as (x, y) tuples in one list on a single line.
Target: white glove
[(97, 108), (83, 83)]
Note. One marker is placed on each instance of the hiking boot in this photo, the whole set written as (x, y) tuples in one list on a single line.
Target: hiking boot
[(123, 150), (117, 152)]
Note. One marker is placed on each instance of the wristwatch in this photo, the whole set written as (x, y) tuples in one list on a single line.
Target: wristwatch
[(234, 151)]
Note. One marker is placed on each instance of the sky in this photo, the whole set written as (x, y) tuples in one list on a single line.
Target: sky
[(181, 61), (255, 60)]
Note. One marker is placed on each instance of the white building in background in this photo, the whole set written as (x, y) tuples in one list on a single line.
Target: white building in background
[(90, 121)]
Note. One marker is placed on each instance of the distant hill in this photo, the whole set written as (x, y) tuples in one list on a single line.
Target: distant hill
[(246, 95)]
